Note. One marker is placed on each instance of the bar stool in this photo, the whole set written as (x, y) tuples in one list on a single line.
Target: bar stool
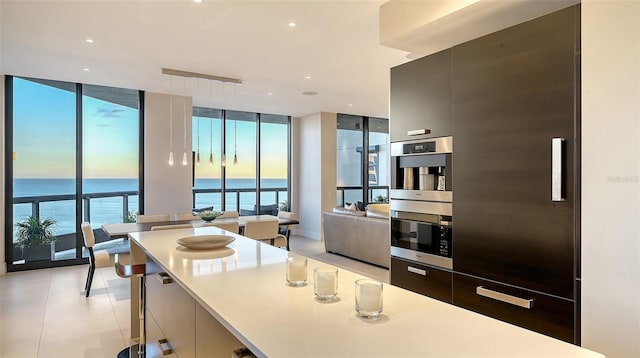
[(128, 271)]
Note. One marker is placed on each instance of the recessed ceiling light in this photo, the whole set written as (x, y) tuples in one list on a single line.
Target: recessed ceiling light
[(292, 24), (89, 40), (269, 93), (307, 77), (413, 56), (86, 69), (350, 105), (198, 1), (309, 93)]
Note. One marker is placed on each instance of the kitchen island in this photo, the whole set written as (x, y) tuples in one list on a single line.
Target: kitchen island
[(242, 287)]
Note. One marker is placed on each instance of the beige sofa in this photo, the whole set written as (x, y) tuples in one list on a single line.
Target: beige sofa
[(362, 235)]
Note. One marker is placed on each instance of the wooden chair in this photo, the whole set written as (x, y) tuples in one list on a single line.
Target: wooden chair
[(229, 226), (171, 227), (186, 216), (265, 230), (152, 218), (228, 214), (284, 230), (89, 242)]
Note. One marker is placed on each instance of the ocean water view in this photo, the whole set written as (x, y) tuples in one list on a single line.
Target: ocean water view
[(110, 209)]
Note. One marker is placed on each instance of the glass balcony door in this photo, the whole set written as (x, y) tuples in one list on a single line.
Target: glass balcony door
[(43, 173), (73, 156), (110, 159)]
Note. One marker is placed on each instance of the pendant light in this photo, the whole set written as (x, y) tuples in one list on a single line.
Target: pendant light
[(170, 129), (235, 130), (224, 147), (184, 114), (235, 141), (198, 153), (211, 135)]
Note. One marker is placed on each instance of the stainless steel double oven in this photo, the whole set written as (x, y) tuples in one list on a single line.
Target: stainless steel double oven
[(421, 201)]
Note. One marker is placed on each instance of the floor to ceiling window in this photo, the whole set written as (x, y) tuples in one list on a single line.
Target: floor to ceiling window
[(72, 156), (236, 176), (207, 146), (274, 162), (240, 169), (110, 158), (362, 164), (378, 162)]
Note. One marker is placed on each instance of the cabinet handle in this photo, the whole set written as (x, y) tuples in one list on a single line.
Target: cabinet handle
[(165, 278), (503, 297), (417, 270), (557, 148), (418, 131), (242, 353), (165, 347)]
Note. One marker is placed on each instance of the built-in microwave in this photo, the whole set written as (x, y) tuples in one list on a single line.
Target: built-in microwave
[(421, 169), (422, 232)]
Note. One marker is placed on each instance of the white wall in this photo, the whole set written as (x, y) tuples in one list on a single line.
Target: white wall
[(610, 177), (314, 174), (167, 188)]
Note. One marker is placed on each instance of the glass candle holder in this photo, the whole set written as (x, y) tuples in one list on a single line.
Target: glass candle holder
[(369, 298), (325, 283), (296, 271)]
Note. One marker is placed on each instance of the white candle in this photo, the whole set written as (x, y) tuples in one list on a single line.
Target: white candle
[(297, 271), (325, 283), (369, 298)]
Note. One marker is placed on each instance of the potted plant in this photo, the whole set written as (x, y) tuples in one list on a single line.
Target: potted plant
[(35, 236)]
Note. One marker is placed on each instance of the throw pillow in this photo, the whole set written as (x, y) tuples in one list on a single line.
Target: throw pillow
[(351, 206), (360, 206)]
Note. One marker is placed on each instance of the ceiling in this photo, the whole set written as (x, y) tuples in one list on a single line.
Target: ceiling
[(336, 43)]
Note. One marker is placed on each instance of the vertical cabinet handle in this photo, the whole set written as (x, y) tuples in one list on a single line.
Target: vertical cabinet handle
[(557, 155), (417, 270), (503, 297)]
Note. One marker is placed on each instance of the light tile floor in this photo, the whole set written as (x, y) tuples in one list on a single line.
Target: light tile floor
[(44, 313)]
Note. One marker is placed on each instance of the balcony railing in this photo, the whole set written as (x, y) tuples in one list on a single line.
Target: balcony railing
[(237, 191), (35, 201), (66, 235), (371, 197)]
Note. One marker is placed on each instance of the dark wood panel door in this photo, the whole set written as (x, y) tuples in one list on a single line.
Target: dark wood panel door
[(513, 91), (421, 97), (532, 310), (422, 279)]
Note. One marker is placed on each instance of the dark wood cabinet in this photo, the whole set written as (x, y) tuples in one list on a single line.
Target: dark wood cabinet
[(421, 97), (513, 91), (423, 279), (533, 310)]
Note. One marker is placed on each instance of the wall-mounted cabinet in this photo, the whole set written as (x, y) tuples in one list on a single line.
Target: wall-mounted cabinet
[(420, 98)]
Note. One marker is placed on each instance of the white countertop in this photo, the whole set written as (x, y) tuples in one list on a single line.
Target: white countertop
[(246, 292)]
